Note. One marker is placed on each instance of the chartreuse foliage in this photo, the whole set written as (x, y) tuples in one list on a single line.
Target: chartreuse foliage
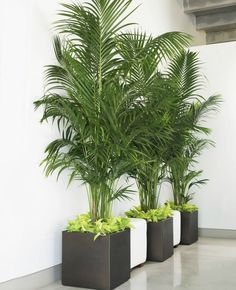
[(186, 207), (152, 215), (83, 223)]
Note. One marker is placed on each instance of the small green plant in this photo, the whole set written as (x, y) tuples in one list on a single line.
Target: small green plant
[(186, 207), (189, 207), (152, 215), (83, 223)]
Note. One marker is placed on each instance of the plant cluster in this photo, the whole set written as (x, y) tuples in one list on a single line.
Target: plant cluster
[(152, 215), (83, 223), (119, 112)]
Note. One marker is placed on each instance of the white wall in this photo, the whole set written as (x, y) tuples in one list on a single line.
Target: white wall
[(217, 200), (33, 209)]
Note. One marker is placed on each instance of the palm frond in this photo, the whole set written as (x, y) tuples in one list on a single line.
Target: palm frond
[(184, 70)]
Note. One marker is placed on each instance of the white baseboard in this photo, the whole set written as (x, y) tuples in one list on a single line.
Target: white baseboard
[(217, 233), (34, 281)]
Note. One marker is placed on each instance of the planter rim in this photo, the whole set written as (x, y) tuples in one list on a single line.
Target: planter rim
[(160, 221), (92, 234), (189, 211)]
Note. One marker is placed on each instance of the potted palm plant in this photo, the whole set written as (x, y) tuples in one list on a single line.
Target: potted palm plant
[(183, 178), (148, 175), (141, 56), (85, 99), (186, 144), (182, 181)]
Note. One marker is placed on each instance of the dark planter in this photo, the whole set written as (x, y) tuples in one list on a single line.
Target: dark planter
[(101, 264), (160, 240), (189, 227)]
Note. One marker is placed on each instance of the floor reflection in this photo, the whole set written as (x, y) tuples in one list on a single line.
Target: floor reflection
[(138, 279), (177, 266), (207, 265)]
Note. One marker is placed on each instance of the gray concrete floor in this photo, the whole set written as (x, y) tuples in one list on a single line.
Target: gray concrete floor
[(209, 264)]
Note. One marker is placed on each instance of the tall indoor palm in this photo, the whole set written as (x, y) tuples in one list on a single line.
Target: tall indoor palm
[(188, 128), (85, 99), (153, 96)]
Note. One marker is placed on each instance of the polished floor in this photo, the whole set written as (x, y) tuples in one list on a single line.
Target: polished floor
[(209, 264)]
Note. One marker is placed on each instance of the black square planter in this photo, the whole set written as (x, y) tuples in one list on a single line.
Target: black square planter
[(189, 227), (160, 240), (102, 264)]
